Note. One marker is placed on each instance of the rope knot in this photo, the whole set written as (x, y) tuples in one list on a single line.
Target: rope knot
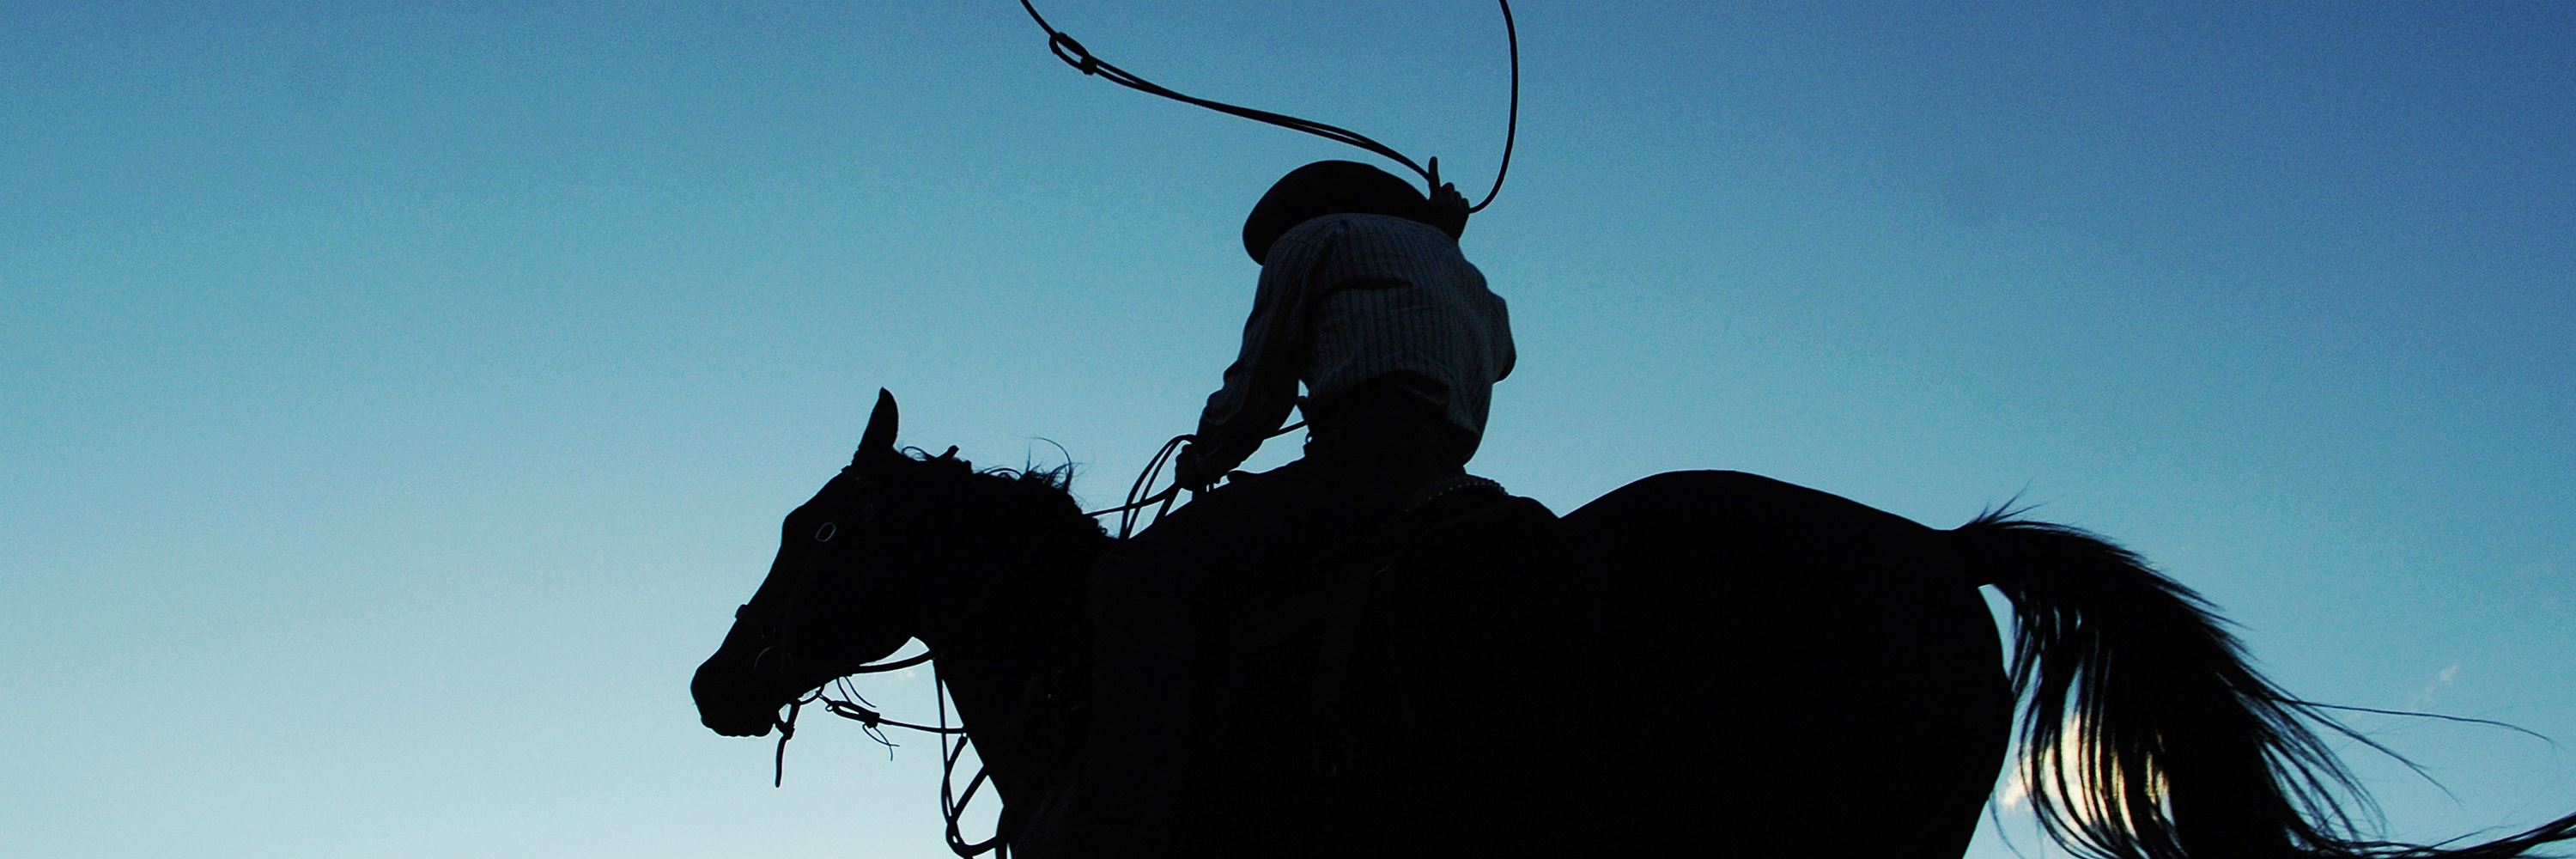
[(854, 712), (1072, 53)]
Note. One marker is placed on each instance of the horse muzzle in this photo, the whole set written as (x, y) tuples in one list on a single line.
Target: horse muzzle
[(732, 701)]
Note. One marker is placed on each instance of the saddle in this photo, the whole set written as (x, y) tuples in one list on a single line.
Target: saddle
[(1334, 678), (1457, 534), (1386, 666)]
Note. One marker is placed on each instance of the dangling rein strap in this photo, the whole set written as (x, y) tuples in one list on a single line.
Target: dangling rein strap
[(1075, 55)]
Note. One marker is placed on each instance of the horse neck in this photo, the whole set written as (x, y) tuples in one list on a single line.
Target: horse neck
[(1007, 584), (1007, 605)]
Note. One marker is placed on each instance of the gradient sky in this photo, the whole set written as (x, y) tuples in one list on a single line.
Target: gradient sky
[(395, 399)]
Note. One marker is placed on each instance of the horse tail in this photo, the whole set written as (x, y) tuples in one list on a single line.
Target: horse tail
[(2144, 731)]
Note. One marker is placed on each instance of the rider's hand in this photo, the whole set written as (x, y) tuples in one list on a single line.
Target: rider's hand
[(1449, 209), (1190, 469)]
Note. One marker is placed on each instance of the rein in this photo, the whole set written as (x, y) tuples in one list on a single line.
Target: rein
[(952, 802), (852, 707), (1137, 500)]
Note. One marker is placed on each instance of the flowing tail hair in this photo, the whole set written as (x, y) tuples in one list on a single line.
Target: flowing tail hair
[(2147, 735)]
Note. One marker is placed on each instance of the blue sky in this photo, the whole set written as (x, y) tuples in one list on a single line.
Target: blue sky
[(396, 400)]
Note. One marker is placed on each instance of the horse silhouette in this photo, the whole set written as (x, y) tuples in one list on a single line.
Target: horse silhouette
[(1707, 659)]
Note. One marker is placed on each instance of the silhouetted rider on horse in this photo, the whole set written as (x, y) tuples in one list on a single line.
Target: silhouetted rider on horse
[(1763, 644), (1364, 298)]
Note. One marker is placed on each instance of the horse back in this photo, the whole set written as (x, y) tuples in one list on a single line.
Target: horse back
[(1819, 671), (1781, 668)]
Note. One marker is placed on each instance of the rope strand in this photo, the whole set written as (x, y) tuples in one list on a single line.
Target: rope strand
[(1073, 54)]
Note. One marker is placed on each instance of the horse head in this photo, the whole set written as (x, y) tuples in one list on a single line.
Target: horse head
[(827, 606)]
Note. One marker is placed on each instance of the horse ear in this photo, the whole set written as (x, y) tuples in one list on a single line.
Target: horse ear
[(879, 438)]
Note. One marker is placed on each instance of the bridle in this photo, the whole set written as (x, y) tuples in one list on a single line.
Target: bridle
[(771, 626)]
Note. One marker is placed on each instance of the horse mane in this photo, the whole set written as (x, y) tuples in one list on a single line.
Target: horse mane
[(1044, 494), (1011, 548)]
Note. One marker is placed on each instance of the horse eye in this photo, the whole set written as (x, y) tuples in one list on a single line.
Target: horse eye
[(824, 534)]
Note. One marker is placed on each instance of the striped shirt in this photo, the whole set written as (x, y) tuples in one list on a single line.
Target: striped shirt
[(1344, 299)]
